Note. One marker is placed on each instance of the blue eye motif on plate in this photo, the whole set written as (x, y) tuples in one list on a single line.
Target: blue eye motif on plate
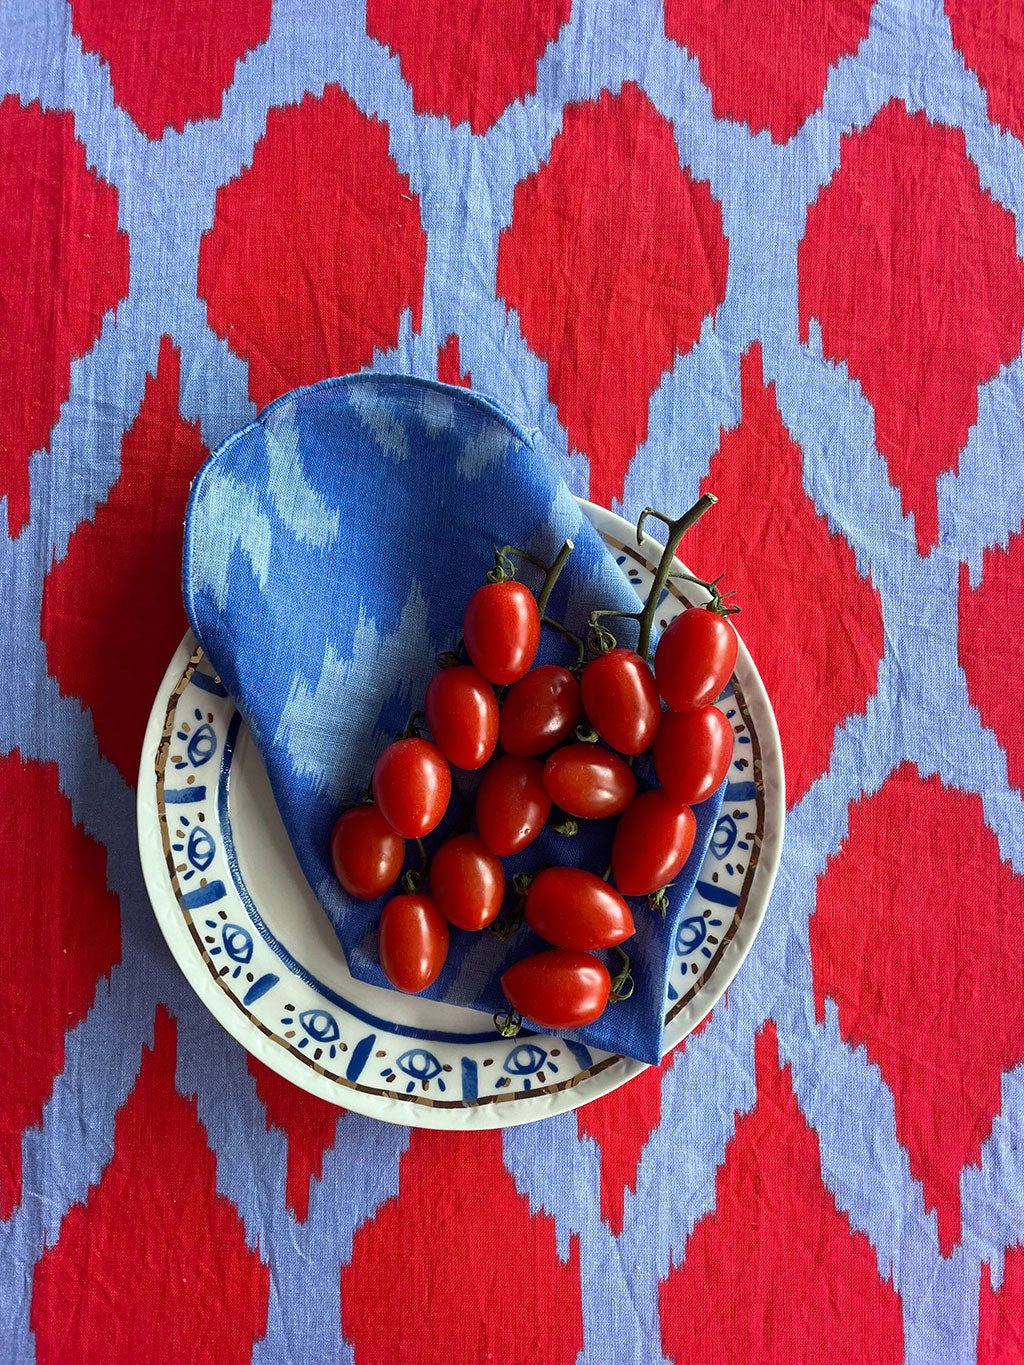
[(526, 1061), (422, 1066), (236, 942), (695, 932), (319, 1027), (200, 743), (724, 837), (200, 848), (197, 845), (202, 746), (690, 935)]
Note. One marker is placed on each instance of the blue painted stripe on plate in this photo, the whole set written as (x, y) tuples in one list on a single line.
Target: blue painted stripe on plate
[(208, 684), (469, 1079), (717, 894), (260, 987), (581, 1053), (360, 1053), (204, 895), (184, 796), (740, 791)]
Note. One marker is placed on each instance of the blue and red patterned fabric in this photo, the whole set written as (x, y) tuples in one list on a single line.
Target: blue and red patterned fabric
[(769, 248)]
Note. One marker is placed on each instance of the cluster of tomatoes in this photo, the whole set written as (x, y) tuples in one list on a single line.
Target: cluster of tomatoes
[(548, 724)]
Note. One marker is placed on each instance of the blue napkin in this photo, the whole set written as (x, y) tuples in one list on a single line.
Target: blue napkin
[(330, 549)]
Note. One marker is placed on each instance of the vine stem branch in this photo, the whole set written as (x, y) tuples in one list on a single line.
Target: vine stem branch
[(676, 530), (551, 576)]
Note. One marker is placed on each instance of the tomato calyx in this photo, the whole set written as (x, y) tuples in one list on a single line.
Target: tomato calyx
[(717, 603), (568, 828), (599, 639), (415, 878), (512, 920), (508, 1022), (622, 982), (504, 566), (658, 900), (451, 658), (413, 727)]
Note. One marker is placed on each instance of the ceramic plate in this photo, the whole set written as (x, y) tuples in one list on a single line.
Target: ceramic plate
[(258, 950)]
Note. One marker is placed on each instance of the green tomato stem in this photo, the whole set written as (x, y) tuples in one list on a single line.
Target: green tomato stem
[(717, 603), (551, 576), (676, 530), (416, 877), (504, 569), (600, 640), (546, 620)]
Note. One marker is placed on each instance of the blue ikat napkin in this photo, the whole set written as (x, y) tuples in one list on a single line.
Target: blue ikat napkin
[(330, 548)]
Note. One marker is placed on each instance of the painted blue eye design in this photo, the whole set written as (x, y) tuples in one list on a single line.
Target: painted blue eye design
[(724, 837), (694, 933), (200, 743), (236, 942), (526, 1060), (200, 848), (202, 746), (422, 1066), (690, 935), (319, 1027), (197, 845)]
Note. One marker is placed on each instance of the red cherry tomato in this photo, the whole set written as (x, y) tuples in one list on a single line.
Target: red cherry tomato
[(501, 630), (574, 909), (621, 700), (511, 804), (539, 711), (559, 989), (412, 785), (366, 853), (652, 841), (692, 753), (467, 882), (695, 658), (462, 712), (412, 941), (587, 781)]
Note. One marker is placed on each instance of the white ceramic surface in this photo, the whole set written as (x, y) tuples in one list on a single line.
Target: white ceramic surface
[(247, 931)]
